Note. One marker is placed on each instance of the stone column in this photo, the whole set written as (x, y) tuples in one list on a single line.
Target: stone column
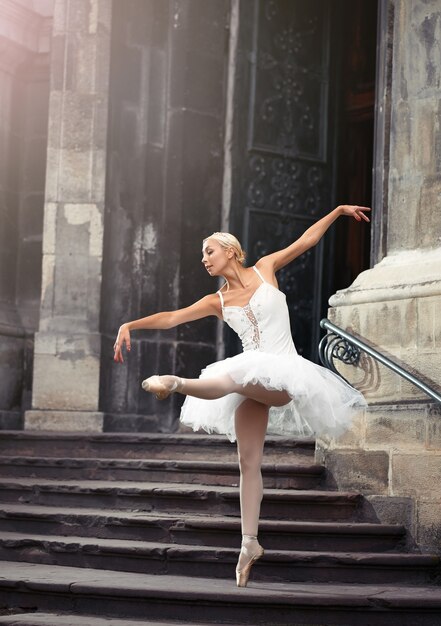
[(67, 345), (396, 305)]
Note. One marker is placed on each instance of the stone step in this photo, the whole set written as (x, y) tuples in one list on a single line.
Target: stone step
[(305, 475), (63, 619), (199, 530), (130, 596), (215, 562), (179, 497), (143, 446)]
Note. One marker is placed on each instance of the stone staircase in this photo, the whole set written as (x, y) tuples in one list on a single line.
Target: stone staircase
[(128, 529)]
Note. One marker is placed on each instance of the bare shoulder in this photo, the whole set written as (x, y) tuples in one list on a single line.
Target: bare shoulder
[(213, 303), (265, 266)]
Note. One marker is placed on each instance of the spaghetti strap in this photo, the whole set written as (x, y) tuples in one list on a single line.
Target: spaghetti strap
[(219, 293), (259, 274)]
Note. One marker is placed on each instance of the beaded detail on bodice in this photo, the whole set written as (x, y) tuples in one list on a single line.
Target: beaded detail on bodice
[(262, 324), (255, 338)]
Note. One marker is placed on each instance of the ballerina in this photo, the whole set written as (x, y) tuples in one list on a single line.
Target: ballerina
[(268, 388)]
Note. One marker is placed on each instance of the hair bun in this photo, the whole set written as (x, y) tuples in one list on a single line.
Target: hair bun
[(227, 240)]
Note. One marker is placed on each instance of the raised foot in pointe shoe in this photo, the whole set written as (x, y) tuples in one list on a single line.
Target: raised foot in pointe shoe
[(161, 386), (243, 574)]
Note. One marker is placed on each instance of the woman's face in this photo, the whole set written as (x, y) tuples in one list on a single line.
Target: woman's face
[(215, 257)]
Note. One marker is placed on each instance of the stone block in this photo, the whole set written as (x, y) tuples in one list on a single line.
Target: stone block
[(73, 234), (417, 475), (84, 57), (390, 510), (75, 175), (425, 113), (80, 230), (427, 366), (429, 525), (64, 421), (405, 196), (396, 426), (366, 471), (429, 324), (434, 428), (429, 232), (71, 286), (66, 382), (78, 114)]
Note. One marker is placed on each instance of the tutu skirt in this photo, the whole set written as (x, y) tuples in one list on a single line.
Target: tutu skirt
[(321, 402)]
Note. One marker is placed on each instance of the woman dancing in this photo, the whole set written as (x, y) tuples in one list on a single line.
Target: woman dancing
[(268, 387)]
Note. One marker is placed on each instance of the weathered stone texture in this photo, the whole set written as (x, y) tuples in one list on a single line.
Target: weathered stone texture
[(392, 510), (415, 144), (417, 475), (364, 470), (67, 353), (400, 426), (64, 420), (429, 525)]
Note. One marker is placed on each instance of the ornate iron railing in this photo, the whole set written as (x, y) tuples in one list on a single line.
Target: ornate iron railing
[(341, 345)]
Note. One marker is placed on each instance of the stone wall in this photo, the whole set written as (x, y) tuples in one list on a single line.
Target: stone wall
[(24, 91), (395, 450)]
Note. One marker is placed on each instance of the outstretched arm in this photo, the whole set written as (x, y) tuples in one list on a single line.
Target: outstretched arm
[(209, 305), (312, 236)]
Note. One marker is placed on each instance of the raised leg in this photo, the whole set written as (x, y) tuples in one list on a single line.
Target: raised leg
[(251, 422), (212, 388)]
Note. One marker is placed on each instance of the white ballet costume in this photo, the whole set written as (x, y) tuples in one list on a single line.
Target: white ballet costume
[(321, 402)]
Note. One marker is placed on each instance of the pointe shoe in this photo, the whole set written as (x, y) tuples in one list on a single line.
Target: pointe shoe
[(155, 385), (243, 574)]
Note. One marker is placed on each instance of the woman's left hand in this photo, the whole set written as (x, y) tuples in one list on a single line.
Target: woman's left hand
[(355, 211)]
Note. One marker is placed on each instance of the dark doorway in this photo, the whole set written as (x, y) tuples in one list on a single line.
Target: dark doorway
[(355, 154), (304, 143)]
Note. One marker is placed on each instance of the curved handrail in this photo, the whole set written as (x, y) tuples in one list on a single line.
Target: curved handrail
[(345, 347)]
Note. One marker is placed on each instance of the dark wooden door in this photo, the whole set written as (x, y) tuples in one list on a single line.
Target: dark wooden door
[(283, 165)]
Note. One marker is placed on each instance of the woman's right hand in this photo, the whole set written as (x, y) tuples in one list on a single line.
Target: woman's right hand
[(122, 338)]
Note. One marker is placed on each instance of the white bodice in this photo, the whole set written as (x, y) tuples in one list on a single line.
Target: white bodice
[(262, 324)]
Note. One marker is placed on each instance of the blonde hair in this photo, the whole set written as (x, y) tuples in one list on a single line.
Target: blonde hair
[(226, 240)]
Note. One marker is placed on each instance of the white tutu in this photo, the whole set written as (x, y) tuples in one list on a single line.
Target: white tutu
[(321, 401)]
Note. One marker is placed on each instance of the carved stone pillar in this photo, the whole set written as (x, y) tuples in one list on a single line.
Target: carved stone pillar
[(395, 451), (68, 344)]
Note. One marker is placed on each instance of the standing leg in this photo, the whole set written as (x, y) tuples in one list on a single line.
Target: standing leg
[(251, 422)]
